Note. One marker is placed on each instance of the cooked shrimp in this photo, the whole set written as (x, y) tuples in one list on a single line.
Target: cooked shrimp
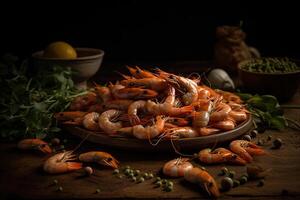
[(133, 111), (148, 132), (200, 119), (59, 163), (246, 149), (238, 116), (157, 84), (177, 167), (69, 115), (220, 112), (84, 101), (135, 93), (228, 96), (189, 86), (90, 121), (103, 92), (203, 93), (34, 144), (106, 124), (203, 105), (202, 177), (178, 121), (204, 131), (99, 157), (139, 73), (219, 155), (119, 104), (225, 125), (180, 132)]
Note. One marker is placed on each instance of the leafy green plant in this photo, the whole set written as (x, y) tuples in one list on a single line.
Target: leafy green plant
[(29, 99), (266, 111)]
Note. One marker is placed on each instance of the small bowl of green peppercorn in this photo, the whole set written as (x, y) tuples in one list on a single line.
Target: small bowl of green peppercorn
[(274, 76)]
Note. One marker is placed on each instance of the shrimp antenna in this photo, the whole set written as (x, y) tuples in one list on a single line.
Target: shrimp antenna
[(84, 139), (178, 152)]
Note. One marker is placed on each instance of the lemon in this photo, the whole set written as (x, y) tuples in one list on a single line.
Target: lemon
[(60, 50)]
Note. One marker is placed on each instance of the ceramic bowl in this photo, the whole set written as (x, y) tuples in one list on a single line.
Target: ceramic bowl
[(281, 85), (86, 64)]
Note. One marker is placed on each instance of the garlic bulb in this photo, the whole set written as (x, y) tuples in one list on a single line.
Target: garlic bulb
[(219, 79)]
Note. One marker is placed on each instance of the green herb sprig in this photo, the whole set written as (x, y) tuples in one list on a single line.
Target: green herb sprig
[(266, 111), (29, 100)]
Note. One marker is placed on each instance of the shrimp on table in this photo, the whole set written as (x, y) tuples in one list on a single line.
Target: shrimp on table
[(202, 177), (100, 157), (34, 144), (148, 132), (90, 121), (59, 163), (246, 149), (219, 155), (188, 86), (177, 167), (106, 123)]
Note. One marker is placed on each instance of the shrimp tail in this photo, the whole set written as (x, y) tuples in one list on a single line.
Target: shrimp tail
[(74, 166)]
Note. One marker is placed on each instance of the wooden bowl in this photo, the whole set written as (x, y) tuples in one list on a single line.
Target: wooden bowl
[(185, 144), (86, 64), (281, 85)]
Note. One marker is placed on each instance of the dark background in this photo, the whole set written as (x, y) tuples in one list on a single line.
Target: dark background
[(132, 31)]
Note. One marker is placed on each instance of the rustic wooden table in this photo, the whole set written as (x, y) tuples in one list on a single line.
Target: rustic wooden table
[(21, 175)]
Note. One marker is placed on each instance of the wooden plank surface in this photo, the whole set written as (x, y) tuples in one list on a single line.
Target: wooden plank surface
[(21, 175)]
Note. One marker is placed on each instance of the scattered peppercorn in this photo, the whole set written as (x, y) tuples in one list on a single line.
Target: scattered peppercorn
[(226, 183), (236, 183), (254, 133), (88, 171), (247, 137), (277, 143), (261, 183)]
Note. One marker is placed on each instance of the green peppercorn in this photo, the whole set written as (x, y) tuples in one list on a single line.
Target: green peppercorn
[(168, 189), (150, 176), (164, 181), (231, 174), (120, 176), (261, 183), (55, 182), (137, 172), (243, 180), (116, 171), (157, 179), (60, 189), (169, 184), (254, 133), (277, 143), (226, 183), (146, 175), (141, 179), (98, 190), (224, 170), (158, 183), (247, 137), (133, 179), (236, 183)]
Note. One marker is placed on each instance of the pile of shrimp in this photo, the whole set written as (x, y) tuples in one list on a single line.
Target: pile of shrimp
[(158, 104)]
